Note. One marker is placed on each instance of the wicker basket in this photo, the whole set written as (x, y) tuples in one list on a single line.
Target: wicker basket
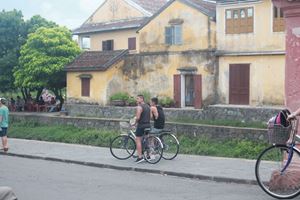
[(279, 134)]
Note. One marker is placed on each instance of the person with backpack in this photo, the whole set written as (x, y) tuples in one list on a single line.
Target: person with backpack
[(158, 116)]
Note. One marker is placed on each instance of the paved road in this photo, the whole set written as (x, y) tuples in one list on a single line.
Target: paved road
[(34, 179)]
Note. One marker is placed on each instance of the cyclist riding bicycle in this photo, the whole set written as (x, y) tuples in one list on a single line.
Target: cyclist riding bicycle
[(158, 116)]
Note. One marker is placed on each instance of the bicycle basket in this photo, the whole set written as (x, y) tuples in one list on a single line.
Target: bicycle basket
[(279, 134), (124, 127)]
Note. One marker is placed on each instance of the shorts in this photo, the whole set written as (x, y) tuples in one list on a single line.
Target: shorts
[(3, 132), (139, 132)]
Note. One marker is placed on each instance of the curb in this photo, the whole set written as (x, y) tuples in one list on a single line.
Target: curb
[(152, 171)]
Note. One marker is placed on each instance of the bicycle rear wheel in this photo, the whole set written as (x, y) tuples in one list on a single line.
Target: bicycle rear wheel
[(170, 145), (269, 175), (153, 149), (122, 147)]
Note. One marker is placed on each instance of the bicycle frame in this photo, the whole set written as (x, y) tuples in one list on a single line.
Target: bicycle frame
[(292, 146)]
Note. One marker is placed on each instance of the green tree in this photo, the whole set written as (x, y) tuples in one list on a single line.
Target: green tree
[(11, 32), (43, 58)]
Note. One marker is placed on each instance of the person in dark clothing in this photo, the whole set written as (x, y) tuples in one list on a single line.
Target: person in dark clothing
[(158, 116), (142, 120)]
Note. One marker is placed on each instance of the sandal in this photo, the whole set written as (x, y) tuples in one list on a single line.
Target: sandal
[(5, 149)]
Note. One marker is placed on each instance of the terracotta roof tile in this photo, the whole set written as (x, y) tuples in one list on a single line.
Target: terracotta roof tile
[(95, 60)]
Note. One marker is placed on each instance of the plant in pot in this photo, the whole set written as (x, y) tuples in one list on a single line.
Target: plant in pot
[(167, 102), (119, 99)]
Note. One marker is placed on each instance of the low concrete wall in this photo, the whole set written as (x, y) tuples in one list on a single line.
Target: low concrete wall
[(193, 130), (214, 112)]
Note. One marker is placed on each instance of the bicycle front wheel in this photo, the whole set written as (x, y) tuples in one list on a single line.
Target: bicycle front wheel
[(153, 149), (122, 147), (272, 176), (170, 145)]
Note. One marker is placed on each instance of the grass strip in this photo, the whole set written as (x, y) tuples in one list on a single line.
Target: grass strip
[(188, 145)]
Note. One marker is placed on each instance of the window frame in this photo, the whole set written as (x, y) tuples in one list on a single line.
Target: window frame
[(108, 45), (173, 34), (278, 20), (236, 24), (85, 86), (132, 43), (85, 44)]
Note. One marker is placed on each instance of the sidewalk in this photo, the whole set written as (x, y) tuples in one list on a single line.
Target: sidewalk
[(189, 166)]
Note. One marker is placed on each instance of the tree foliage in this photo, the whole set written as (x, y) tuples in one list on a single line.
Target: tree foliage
[(43, 58), (11, 33)]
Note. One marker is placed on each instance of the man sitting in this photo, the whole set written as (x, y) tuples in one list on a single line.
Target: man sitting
[(157, 114)]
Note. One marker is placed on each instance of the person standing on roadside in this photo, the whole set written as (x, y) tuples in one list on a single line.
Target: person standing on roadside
[(142, 120), (3, 123)]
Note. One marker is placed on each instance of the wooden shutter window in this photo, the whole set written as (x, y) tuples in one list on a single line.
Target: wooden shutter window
[(278, 20), (177, 90), (108, 45), (239, 21), (132, 43), (85, 87), (198, 91), (168, 35)]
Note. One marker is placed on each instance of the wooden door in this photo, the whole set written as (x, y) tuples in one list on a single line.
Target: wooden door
[(177, 90), (239, 81), (198, 91)]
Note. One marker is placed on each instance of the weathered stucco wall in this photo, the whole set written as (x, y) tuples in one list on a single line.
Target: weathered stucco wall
[(198, 31), (266, 78), (102, 85), (154, 73), (114, 10), (262, 39), (120, 38)]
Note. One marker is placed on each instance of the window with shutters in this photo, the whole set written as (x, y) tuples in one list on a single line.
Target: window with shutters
[(108, 45), (278, 20), (132, 43), (239, 20), (85, 87), (173, 35)]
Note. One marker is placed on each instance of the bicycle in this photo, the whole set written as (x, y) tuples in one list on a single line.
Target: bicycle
[(123, 146), (277, 169), (170, 144)]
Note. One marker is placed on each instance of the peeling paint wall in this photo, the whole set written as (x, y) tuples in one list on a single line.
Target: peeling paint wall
[(198, 32), (102, 85), (154, 73), (266, 79)]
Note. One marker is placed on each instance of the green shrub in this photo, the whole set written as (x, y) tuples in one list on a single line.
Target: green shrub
[(119, 96), (166, 102), (131, 101)]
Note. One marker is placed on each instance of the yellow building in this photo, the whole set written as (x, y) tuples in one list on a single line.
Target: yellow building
[(194, 51), (113, 25), (176, 58), (251, 50)]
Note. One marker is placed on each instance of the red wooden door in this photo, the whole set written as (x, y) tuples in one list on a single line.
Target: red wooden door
[(177, 90), (198, 91), (239, 81)]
